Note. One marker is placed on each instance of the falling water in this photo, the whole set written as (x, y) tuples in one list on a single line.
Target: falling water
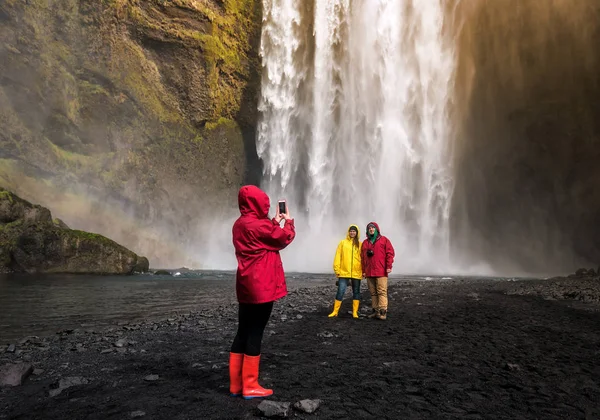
[(355, 124)]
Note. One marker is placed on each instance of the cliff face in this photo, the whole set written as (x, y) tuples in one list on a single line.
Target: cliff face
[(130, 118), (527, 187), (31, 241)]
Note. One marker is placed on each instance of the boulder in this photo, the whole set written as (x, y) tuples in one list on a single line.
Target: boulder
[(14, 374), (15, 209), (32, 242)]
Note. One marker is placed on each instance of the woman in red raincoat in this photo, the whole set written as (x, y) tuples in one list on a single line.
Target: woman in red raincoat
[(259, 282)]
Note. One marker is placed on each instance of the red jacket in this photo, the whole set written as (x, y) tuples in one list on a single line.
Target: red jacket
[(257, 241), (382, 258)]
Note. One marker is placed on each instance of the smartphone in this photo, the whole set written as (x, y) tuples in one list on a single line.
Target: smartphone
[(282, 207)]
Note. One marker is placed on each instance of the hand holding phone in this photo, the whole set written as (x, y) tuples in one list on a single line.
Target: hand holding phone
[(282, 210), (282, 207)]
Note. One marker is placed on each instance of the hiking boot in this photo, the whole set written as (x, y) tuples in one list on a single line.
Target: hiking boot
[(382, 314), (375, 314)]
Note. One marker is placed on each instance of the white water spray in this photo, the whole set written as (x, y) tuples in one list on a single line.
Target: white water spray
[(355, 125)]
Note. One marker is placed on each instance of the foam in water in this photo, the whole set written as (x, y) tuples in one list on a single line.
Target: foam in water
[(355, 125)]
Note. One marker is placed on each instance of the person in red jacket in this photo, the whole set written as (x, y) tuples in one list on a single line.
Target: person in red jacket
[(259, 282), (377, 256)]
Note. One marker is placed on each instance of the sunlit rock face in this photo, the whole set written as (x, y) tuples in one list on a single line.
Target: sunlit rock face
[(527, 178), (130, 118)]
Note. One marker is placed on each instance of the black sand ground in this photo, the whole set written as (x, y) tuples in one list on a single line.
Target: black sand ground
[(454, 349)]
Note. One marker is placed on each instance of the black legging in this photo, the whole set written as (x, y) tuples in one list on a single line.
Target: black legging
[(252, 320)]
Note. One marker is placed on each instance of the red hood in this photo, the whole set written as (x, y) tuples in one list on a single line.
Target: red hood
[(253, 201), (376, 227)]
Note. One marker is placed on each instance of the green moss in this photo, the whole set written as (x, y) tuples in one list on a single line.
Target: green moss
[(222, 122), (225, 45), (142, 78), (92, 89), (6, 195), (82, 235)]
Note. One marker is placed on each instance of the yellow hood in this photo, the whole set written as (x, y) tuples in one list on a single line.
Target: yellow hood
[(357, 232), (346, 263)]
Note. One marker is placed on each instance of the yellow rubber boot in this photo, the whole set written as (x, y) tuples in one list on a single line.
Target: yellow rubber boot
[(336, 308), (355, 305)]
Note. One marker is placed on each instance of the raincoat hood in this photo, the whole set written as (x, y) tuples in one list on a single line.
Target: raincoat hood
[(357, 231), (376, 227), (253, 201)]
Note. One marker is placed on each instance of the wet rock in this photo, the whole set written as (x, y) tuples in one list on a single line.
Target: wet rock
[(307, 406), (121, 343), (66, 383), (151, 378), (142, 265), (162, 273), (14, 374), (31, 339), (136, 414), (274, 408)]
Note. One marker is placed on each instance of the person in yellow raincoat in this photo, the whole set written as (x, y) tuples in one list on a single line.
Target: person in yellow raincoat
[(347, 267)]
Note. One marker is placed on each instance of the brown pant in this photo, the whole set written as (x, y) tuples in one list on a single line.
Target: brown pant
[(378, 290)]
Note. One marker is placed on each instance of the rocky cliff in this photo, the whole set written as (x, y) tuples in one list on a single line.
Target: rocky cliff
[(32, 242), (130, 118)]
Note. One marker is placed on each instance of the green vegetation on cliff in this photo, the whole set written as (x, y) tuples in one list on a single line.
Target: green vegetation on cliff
[(131, 105)]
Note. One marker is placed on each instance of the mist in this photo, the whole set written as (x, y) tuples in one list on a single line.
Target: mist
[(485, 166)]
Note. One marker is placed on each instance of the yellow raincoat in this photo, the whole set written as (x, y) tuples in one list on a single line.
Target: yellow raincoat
[(346, 263)]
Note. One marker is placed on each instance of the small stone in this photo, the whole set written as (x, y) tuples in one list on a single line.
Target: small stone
[(67, 382), (120, 343), (11, 348), (121, 350), (307, 406), (37, 372), (151, 378), (298, 316), (274, 408), (512, 367), (106, 351), (14, 374), (135, 414)]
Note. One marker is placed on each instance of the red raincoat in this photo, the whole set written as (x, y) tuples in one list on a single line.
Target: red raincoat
[(257, 241), (382, 258)]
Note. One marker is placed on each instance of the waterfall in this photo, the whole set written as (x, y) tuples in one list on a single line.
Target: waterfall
[(355, 125)]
